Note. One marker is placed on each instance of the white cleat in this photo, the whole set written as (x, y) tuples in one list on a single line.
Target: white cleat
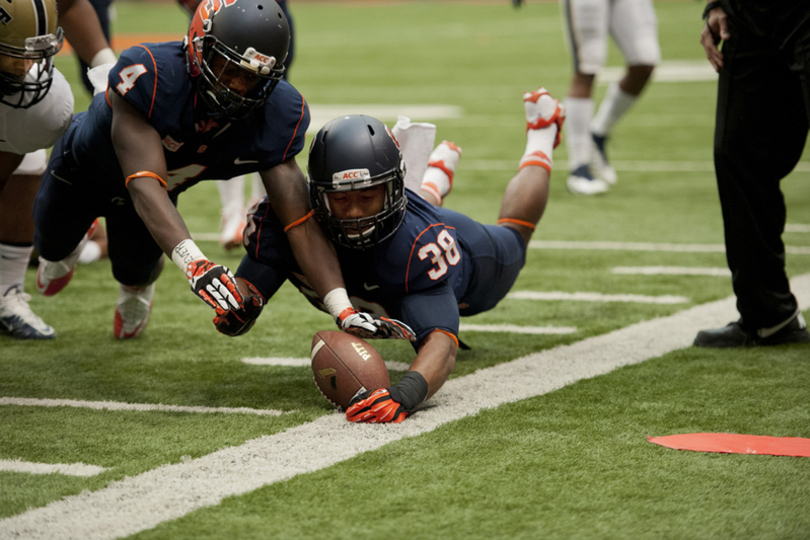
[(17, 319), (53, 276), (438, 178), (581, 182), (233, 226), (599, 161), (132, 310)]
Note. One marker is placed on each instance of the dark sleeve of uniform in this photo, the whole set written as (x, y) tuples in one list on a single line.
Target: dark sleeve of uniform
[(147, 77), (429, 310), (269, 260), (285, 126)]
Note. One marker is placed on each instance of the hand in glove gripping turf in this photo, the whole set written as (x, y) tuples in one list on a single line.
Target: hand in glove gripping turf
[(542, 110), (365, 326), (236, 322), (377, 408), (214, 284)]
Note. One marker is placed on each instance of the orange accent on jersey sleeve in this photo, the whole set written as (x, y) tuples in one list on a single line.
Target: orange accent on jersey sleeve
[(142, 174), (517, 222), (454, 338), (303, 108), (298, 222), (154, 90), (413, 247)]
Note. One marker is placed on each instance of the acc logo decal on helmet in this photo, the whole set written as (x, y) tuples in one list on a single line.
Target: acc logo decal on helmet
[(351, 176)]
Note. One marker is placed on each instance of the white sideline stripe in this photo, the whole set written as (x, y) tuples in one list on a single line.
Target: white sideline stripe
[(632, 166), (321, 114), (597, 297), (797, 227), (306, 362), (169, 492), (671, 71), (119, 406), (514, 329), (646, 246), (670, 270), (70, 469)]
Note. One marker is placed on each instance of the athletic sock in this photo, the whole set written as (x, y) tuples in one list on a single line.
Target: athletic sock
[(616, 103), (13, 262), (578, 136)]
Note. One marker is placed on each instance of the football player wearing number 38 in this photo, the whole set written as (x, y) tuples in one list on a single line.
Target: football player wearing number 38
[(401, 256), (210, 107)]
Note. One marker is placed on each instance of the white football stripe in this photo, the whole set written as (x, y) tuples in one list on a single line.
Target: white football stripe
[(514, 329), (321, 114), (119, 406), (306, 362), (69, 469), (797, 228), (646, 246), (169, 492), (671, 271), (629, 166), (596, 297), (671, 71)]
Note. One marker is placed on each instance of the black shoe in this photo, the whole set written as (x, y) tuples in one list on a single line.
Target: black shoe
[(733, 335)]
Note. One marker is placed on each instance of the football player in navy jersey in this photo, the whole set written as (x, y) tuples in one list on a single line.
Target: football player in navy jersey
[(213, 106), (401, 256)]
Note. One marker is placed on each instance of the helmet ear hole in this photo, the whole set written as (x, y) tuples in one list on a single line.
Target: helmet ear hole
[(371, 130)]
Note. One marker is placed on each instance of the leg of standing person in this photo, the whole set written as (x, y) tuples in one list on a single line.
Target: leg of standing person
[(753, 152)]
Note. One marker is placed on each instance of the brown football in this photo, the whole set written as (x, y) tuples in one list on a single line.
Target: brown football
[(343, 365)]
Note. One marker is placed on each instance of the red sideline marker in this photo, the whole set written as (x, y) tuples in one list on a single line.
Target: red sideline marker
[(732, 443)]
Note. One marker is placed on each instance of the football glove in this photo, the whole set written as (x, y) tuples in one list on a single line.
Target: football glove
[(365, 326), (236, 322), (214, 284), (542, 110), (379, 407)]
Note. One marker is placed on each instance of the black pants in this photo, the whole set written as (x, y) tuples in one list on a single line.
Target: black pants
[(763, 106)]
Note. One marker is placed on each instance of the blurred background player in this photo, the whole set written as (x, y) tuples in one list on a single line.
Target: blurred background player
[(765, 59), (147, 139), (36, 108), (634, 28), (402, 256), (232, 192)]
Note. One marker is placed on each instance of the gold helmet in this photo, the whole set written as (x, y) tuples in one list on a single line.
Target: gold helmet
[(29, 39)]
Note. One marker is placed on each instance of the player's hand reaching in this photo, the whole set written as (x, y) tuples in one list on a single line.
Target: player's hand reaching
[(542, 110), (214, 284), (365, 326), (235, 322), (378, 407)]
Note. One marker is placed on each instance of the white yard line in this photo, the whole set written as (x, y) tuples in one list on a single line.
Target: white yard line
[(120, 406), (169, 492), (306, 362), (514, 329), (797, 228), (619, 165), (596, 297), (70, 469), (321, 114), (671, 71), (670, 271), (646, 246)]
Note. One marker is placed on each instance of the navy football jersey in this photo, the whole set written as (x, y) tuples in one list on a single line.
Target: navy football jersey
[(439, 264), (152, 77)]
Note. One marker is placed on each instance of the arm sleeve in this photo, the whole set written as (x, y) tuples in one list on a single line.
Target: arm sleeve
[(431, 309)]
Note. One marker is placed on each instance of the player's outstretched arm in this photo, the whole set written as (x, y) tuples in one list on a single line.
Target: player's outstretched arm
[(140, 154), (83, 31), (429, 371)]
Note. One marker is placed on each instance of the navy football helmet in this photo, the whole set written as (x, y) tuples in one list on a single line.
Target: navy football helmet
[(350, 153), (245, 39)]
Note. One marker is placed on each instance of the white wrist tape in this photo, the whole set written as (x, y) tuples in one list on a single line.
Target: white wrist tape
[(104, 56), (186, 252), (336, 301)]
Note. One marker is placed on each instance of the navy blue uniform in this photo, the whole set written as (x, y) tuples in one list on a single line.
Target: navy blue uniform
[(84, 179), (438, 265)]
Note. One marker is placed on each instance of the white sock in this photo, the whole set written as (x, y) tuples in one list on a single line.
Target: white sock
[(232, 195), (616, 103), (90, 253), (577, 135), (13, 262), (436, 182)]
